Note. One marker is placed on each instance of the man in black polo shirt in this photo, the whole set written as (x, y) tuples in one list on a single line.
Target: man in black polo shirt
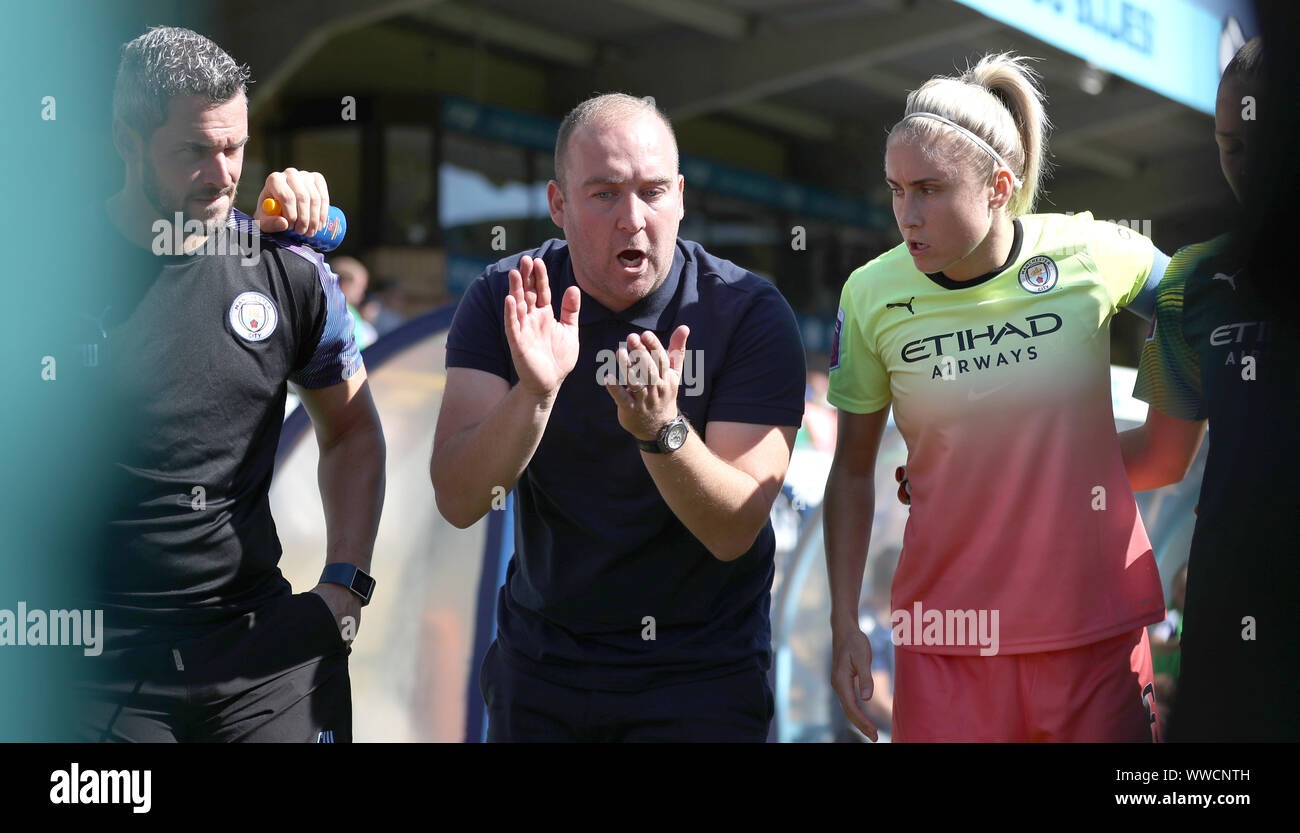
[(644, 413), (188, 346)]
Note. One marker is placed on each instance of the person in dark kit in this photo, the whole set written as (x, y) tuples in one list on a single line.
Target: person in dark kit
[(195, 347), (1222, 350)]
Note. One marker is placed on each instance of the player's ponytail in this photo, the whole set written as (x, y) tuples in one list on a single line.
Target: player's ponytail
[(1000, 102)]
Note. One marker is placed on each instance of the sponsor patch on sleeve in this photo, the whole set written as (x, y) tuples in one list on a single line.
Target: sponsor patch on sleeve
[(835, 341)]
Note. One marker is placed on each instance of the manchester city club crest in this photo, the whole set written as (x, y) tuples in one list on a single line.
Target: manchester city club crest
[(252, 316), (1038, 274)]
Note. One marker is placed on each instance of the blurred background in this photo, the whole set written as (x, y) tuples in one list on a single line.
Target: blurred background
[(434, 123), (434, 120)]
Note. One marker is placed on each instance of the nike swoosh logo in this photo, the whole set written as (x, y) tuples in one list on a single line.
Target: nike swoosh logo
[(975, 397)]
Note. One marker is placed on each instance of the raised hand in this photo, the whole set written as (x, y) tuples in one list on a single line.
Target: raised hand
[(544, 350), (304, 200)]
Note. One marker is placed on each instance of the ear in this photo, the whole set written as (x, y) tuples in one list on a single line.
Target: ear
[(555, 201), (130, 147), (1002, 189), (681, 197)]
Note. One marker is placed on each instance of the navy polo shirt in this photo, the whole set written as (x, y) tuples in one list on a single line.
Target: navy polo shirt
[(597, 550)]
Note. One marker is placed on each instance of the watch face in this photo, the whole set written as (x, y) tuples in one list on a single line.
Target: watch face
[(363, 585), (675, 438)]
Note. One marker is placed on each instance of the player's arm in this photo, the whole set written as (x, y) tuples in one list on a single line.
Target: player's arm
[(720, 483), (487, 430), (848, 512), (1161, 450), (722, 490), (351, 477)]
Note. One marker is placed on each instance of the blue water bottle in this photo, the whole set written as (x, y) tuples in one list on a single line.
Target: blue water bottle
[(325, 240)]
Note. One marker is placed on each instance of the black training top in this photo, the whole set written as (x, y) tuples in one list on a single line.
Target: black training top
[(191, 355), (1218, 351), (597, 550)]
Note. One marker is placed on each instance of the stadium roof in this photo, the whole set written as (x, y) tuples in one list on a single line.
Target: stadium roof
[(824, 78)]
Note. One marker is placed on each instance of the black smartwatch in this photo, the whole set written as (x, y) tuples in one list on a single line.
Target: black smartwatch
[(671, 437), (352, 577)]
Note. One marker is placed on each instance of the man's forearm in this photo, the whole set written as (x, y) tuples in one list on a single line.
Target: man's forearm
[(468, 467), (721, 505), (351, 477), (848, 511)]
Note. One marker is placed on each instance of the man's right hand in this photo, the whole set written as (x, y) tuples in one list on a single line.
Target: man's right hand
[(544, 350), (851, 677)]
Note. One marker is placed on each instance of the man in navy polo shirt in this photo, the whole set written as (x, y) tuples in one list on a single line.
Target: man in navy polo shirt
[(636, 606)]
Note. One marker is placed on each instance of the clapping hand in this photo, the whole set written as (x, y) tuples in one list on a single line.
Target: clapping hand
[(649, 399), (544, 349)]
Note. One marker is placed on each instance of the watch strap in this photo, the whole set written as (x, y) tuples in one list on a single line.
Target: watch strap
[(352, 577), (656, 446)]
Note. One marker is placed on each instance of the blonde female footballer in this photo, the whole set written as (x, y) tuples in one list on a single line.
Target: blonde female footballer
[(1026, 580)]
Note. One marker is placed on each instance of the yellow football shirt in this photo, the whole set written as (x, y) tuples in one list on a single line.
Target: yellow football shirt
[(1001, 389)]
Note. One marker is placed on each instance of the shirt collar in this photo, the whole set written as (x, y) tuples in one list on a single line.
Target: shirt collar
[(645, 314), (1017, 241)]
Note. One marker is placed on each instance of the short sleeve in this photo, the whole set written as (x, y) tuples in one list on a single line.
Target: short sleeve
[(859, 382), (477, 338), (333, 356), (1169, 376), (764, 374), (1123, 257)]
